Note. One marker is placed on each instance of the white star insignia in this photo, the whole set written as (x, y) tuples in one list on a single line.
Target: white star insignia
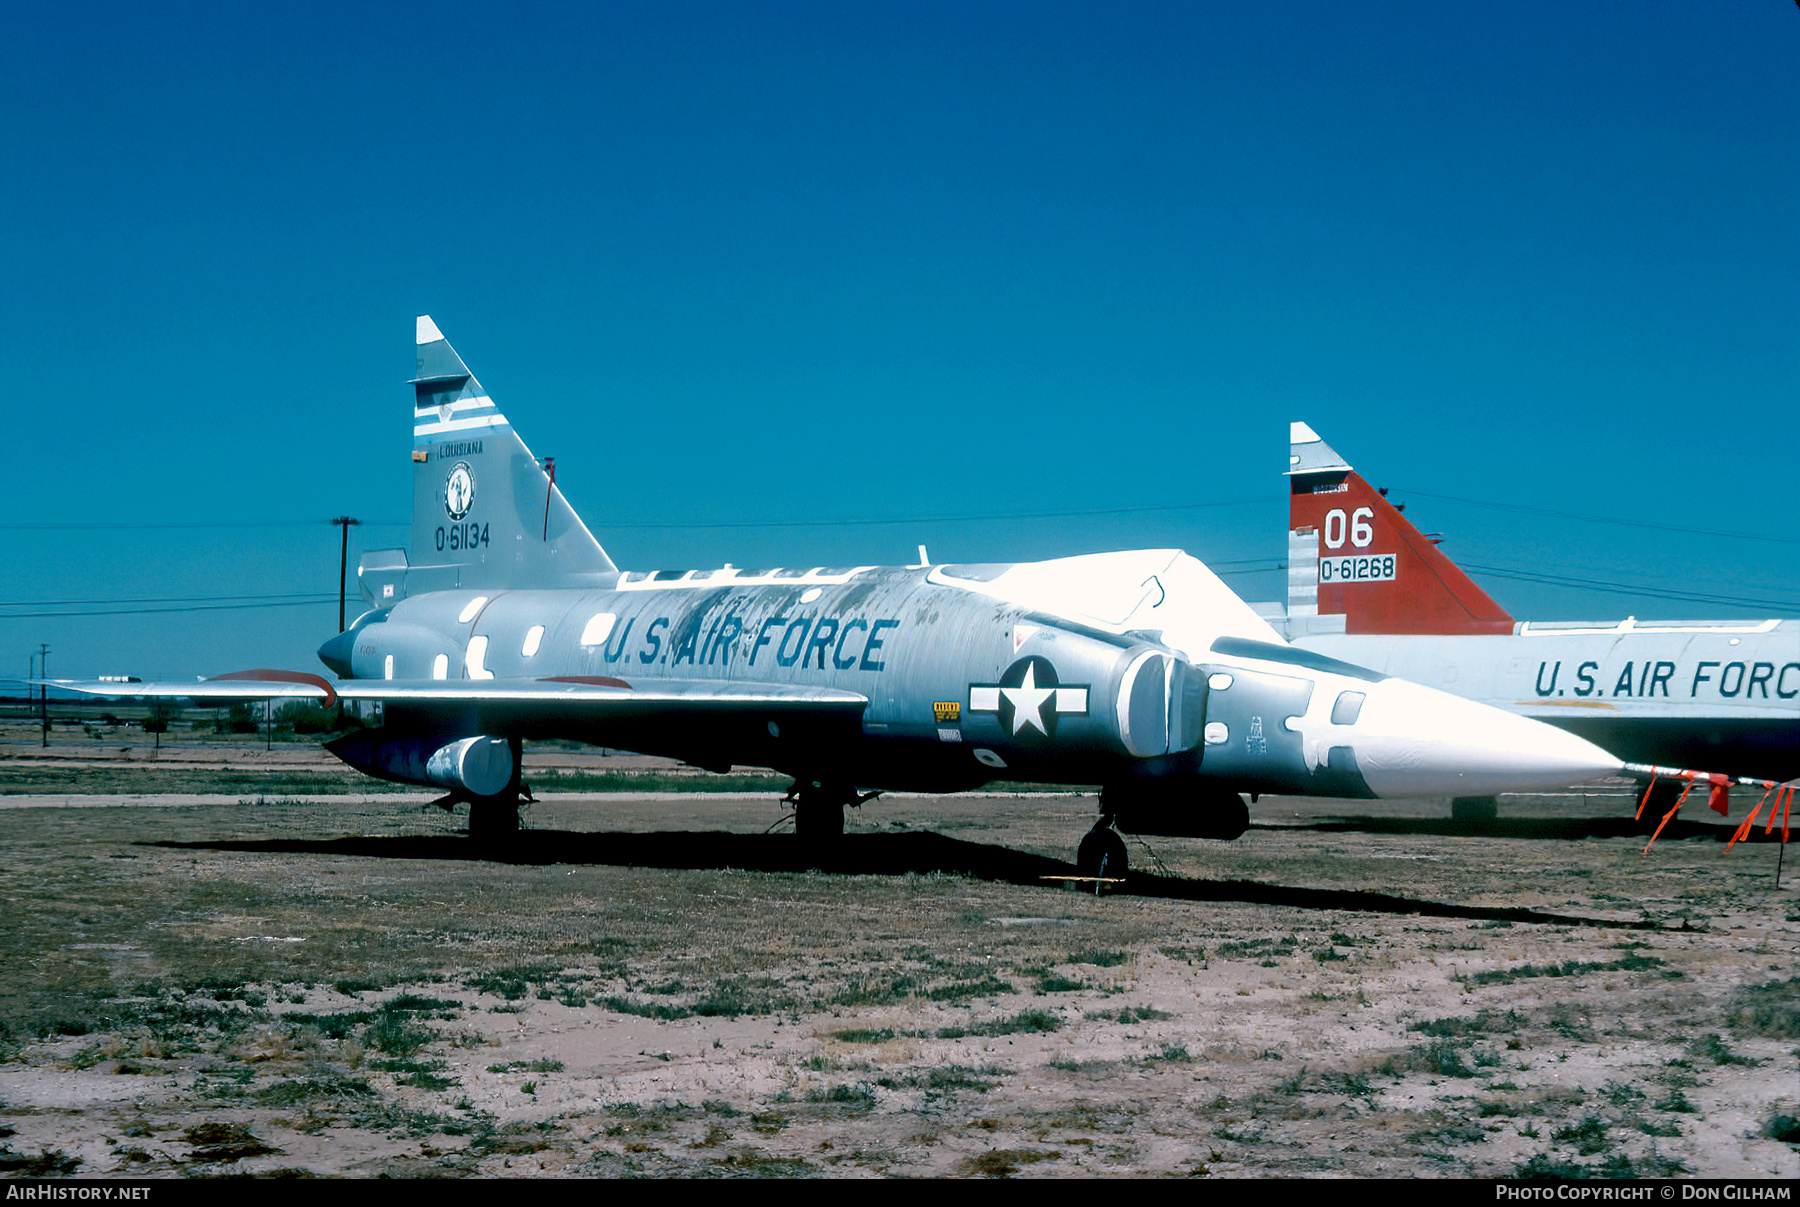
[(1027, 700)]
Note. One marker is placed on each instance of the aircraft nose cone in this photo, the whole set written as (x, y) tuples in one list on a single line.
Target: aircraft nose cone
[(336, 653), (1414, 741)]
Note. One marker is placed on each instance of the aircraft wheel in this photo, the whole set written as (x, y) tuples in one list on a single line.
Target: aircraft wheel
[(1474, 808), (494, 818), (1233, 818), (1102, 854), (819, 817)]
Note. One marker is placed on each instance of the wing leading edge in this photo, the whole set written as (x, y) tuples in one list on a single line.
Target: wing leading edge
[(600, 694)]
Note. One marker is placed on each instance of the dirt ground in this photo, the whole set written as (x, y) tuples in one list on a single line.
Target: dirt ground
[(343, 984)]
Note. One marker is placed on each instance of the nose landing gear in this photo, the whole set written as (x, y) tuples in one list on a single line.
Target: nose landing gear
[(1474, 809), (1102, 857)]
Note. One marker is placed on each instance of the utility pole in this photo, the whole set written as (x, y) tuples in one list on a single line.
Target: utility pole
[(344, 522), (44, 695)]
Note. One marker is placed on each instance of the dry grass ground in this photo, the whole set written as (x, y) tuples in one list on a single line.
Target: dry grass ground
[(650, 985)]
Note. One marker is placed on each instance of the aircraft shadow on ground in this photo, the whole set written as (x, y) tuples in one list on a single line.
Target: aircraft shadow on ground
[(1563, 829), (862, 855)]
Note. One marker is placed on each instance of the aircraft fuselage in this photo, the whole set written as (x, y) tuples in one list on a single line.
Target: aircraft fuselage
[(1696, 694), (962, 675)]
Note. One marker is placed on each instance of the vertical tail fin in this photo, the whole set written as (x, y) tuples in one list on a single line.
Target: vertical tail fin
[(485, 511), (1352, 554)]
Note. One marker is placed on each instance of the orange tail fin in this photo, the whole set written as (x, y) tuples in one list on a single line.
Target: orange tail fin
[(1352, 554)]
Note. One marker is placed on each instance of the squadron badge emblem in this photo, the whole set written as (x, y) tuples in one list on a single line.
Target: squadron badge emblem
[(459, 490)]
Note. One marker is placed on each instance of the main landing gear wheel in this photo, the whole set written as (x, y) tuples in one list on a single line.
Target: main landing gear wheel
[(819, 817), (494, 818), (1231, 818), (819, 809), (1474, 808), (1102, 857)]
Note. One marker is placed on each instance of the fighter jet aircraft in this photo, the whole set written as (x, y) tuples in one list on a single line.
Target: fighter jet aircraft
[(1365, 585), (1140, 671)]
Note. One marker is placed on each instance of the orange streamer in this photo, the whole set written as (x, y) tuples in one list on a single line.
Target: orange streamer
[(1743, 831), (1720, 800), (1668, 815)]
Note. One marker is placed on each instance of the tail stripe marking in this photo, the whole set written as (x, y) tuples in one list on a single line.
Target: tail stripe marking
[(460, 425)]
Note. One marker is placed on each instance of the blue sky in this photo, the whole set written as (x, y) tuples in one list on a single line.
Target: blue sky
[(754, 263)]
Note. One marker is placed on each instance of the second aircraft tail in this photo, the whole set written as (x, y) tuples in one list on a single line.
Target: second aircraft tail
[(1351, 554)]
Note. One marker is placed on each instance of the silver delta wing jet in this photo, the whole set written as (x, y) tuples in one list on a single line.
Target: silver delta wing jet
[(1139, 671)]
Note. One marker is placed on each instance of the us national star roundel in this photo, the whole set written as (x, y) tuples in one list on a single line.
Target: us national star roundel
[(459, 490), (1028, 700)]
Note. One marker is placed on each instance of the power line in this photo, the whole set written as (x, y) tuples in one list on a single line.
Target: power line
[(929, 519), (1600, 519), (860, 521), (174, 527), (299, 603), (156, 599), (1588, 584), (986, 517)]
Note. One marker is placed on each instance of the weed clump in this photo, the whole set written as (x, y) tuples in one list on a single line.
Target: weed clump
[(1543, 1167), (847, 1099), (50, 1163), (1714, 1049), (1676, 1104), (308, 1090), (1502, 976), (528, 1066), (398, 1035), (1132, 1014), (1003, 1162), (1441, 1058), (1771, 1009), (855, 1035), (223, 1142), (1451, 1133), (1588, 1136), (661, 1011), (1099, 958), (1025, 1022), (516, 980), (413, 1003), (732, 996), (1355, 1085), (1482, 1023), (877, 991), (1784, 1128), (946, 1078), (957, 991)]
